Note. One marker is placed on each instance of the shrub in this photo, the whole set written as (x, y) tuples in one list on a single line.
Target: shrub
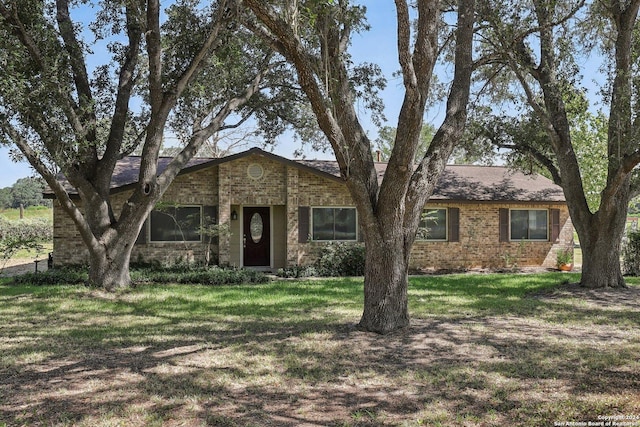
[(198, 275), (298, 271), (631, 254), (38, 229), (56, 276), (148, 275), (564, 257), (341, 259), (23, 234)]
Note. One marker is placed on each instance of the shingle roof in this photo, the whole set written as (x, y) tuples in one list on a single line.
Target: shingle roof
[(494, 183), (475, 183), (457, 183)]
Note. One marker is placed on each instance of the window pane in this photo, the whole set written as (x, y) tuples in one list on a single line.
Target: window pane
[(345, 224), (256, 227), (519, 225), (334, 224), (162, 226), (323, 224), (529, 224), (175, 224), (188, 224), (433, 225), (538, 225)]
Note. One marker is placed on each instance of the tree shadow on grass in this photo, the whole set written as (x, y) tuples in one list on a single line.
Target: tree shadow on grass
[(237, 362)]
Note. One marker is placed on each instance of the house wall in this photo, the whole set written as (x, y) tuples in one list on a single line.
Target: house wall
[(238, 188), (480, 246), (198, 188), (284, 188), (313, 191)]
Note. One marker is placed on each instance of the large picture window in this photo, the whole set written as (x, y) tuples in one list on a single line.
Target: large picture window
[(529, 224), (175, 224), (433, 225), (334, 224)]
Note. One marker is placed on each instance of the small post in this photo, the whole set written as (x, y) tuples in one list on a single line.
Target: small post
[(21, 211)]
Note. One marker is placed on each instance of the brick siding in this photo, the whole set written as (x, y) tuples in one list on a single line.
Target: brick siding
[(229, 186)]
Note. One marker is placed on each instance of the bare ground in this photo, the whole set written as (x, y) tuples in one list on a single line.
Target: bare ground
[(476, 371), (16, 266)]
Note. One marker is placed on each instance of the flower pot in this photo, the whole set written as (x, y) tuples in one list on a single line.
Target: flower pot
[(565, 267)]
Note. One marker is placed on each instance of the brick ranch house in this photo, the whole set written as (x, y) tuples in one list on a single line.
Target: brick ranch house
[(282, 212)]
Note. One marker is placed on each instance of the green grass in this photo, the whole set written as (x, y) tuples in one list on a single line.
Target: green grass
[(29, 213), (31, 254), (482, 350)]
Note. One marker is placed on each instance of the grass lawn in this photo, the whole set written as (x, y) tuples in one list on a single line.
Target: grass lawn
[(482, 350), (30, 212)]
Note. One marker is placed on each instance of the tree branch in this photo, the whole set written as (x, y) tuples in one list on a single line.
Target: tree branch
[(61, 193)]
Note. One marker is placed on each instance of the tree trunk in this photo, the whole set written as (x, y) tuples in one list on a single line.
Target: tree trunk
[(385, 286), (600, 242), (110, 269), (601, 265)]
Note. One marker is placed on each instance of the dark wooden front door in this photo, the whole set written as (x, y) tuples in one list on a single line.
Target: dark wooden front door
[(257, 237)]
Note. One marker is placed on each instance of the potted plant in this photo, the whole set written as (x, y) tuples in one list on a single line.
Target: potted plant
[(564, 259)]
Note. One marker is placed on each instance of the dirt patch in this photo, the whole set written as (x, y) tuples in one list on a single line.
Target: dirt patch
[(610, 298)]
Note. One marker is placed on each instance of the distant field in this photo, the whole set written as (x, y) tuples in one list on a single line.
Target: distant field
[(30, 212)]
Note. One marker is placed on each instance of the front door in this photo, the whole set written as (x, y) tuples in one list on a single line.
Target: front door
[(256, 237)]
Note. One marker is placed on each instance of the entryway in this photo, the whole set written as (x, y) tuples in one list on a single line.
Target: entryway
[(256, 239)]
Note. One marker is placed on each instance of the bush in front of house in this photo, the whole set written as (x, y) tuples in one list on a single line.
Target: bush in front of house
[(298, 272), (337, 259), (57, 276), (341, 259), (213, 276), (631, 254)]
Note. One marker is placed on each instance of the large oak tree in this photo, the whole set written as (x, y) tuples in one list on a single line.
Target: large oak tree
[(536, 45), (187, 69), (314, 36)]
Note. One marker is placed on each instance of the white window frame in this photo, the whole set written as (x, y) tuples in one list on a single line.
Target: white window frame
[(546, 239), (313, 239), (149, 234), (446, 224)]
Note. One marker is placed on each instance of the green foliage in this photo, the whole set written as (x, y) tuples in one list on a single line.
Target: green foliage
[(55, 276), (528, 146), (183, 274), (589, 136), (564, 257), (197, 275), (387, 135), (631, 254), (337, 259), (298, 271), (6, 197), (341, 259), (23, 234), (26, 192)]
